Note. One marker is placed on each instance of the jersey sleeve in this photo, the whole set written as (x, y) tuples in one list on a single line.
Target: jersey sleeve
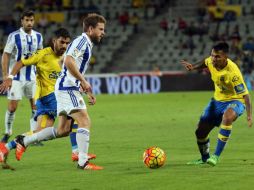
[(34, 58), (74, 49), (238, 83), (41, 43), (9, 44)]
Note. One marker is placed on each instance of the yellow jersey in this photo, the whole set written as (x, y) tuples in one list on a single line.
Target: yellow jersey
[(228, 82), (47, 70)]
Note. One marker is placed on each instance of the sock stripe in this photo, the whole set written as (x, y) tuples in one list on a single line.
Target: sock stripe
[(225, 132), (229, 127)]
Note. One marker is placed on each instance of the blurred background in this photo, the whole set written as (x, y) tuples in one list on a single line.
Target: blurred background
[(146, 35)]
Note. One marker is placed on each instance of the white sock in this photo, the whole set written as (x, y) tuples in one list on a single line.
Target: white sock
[(9, 118), (33, 123), (82, 136), (44, 135)]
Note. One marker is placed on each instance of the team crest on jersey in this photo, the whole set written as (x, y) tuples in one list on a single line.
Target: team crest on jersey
[(222, 78), (239, 88), (75, 52), (81, 102), (235, 78)]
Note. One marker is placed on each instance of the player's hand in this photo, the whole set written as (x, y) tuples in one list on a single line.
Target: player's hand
[(249, 120), (91, 98), (187, 65), (6, 85), (85, 86)]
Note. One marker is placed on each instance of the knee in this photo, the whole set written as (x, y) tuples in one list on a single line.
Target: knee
[(229, 117), (12, 109), (200, 134), (62, 132)]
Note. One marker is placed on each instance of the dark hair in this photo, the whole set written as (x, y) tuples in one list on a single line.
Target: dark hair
[(93, 19), (221, 46), (27, 13), (62, 32)]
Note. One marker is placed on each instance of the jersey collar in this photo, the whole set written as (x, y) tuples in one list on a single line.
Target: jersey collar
[(23, 31), (88, 39)]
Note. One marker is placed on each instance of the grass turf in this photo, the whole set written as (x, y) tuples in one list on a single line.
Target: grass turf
[(123, 126)]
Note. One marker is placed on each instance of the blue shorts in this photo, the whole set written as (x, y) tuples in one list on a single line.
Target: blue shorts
[(214, 111), (46, 106)]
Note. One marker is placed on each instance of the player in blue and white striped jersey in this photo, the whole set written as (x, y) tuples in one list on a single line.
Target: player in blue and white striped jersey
[(70, 103), (20, 44)]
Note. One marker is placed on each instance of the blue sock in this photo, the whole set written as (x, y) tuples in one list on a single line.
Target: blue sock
[(223, 137), (11, 145), (74, 145), (204, 145)]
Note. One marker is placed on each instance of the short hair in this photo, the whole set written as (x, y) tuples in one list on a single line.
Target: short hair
[(27, 13), (93, 19), (221, 46), (62, 32)]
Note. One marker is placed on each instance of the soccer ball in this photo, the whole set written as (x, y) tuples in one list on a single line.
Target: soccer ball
[(154, 157)]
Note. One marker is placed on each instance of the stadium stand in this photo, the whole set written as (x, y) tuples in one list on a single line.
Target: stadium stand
[(135, 40)]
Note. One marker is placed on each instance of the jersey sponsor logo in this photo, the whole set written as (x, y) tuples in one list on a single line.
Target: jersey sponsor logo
[(235, 78), (239, 88), (54, 75)]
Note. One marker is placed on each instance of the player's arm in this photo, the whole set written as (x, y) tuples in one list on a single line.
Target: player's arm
[(69, 62), (8, 81), (247, 101), (5, 64), (33, 60), (8, 49), (197, 66)]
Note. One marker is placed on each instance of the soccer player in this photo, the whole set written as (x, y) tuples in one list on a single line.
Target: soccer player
[(20, 44), (48, 69), (231, 98), (68, 88)]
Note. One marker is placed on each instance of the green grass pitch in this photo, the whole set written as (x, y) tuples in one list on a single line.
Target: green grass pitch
[(123, 126)]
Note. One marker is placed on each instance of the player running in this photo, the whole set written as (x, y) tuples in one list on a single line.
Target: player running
[(68, 88)]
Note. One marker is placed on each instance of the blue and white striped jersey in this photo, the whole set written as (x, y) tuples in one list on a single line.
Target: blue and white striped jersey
[(80, 49), (21, 45)]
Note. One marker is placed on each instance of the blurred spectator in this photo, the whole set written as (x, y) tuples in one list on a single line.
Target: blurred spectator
[(134, 21), (164, 25), (43, 21), (10, 25), (181, 24), (124, 19), (92, 8), (19, 5), (249, 45), (137, 3), (67, 4), (247, 67), (30, 4)]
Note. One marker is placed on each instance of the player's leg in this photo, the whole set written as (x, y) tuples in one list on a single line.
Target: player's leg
[(83, 137), (205, 126), (203, 141), (74, 145), (73, 140), (29, 92), (232, 111), (14, 95)]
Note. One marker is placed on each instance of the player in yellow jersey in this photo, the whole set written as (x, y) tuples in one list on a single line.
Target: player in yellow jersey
[(231, 98), (48, 68)]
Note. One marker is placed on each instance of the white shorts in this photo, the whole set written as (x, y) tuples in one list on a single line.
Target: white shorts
[(69, 100), (20, 89)]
